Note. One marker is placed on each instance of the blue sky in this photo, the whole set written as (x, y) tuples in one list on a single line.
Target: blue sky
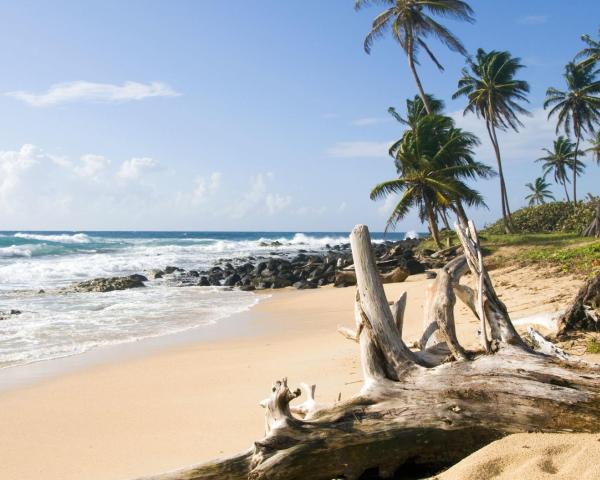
[(240, 115)]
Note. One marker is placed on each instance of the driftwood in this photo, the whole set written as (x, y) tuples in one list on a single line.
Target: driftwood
[(422, 409), (348, 277), (593, 229), (584, 312)]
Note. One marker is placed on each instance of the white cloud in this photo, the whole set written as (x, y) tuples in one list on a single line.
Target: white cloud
[(359, 149), (91, 165), (205, 188), (133, 168), (385, 209), (258, 198), (80, 91), (276, 203), (523, 146), (368, 121), (532, 19), (342, 206), (13, 164)]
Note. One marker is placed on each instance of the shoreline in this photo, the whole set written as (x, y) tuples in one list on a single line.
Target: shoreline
[(171, 407)]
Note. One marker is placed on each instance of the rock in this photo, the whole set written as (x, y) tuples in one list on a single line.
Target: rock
[(170, 269), (15, 312), (204, 282), (194, 273), (108, 284), (231, 280), (154, 274)]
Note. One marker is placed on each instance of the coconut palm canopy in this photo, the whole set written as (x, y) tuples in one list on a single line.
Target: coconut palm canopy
[(559, 162), (433, 161), (591, 53), (494, 94), (540, 191), (577, 109), (412, 23)]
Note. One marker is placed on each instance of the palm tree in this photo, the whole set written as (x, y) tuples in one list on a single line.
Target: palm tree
[(415, 110), (411, 23), (539, 192), (559, 161), (595, 148), (494, 94), (432, 161), (578, 107), (590, 55)]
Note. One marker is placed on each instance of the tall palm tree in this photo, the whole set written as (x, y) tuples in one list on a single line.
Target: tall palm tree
[(590, 55), (595, 148), (433, 160), (559, 161), (411, 23), (577, 107), (493, 93), (540, 191)]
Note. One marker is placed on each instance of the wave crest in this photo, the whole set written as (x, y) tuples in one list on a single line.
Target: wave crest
[(61, 238)]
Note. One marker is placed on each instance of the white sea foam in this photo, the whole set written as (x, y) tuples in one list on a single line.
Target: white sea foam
[(54, 325), (61, 238), (411, 235), (16, 251)]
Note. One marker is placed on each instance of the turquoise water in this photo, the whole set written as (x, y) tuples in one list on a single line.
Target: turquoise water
[(33, 265)]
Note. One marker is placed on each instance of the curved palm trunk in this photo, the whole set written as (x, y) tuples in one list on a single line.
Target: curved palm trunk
[(411, 64), (566, 191), (575, 169), (433, 224), (446, 225), (506, 216), (461, 215)]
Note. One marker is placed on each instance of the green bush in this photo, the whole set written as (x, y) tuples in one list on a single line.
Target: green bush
[(550, 217)]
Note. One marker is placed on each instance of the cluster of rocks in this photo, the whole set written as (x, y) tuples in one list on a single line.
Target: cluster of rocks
[(303, 270), (108, 284)]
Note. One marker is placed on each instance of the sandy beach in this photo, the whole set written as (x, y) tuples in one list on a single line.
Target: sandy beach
[(188, 403)]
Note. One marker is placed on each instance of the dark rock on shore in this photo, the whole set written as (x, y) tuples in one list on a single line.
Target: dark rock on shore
[(108, 284), (11, 312)]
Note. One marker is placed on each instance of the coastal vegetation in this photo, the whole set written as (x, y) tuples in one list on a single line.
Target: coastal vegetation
[(432, 172)]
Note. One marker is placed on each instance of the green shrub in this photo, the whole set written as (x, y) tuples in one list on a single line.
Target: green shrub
[(593, 345), (550, 217)]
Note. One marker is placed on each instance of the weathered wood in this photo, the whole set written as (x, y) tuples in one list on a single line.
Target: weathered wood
[(405, 413), (582, 314), (348, 277)]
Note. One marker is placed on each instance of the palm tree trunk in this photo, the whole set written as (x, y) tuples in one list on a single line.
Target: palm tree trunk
[(411, 64), (432, 224), (566, 191), (461, 215), (447, 225), (575, 169), (508, 228)]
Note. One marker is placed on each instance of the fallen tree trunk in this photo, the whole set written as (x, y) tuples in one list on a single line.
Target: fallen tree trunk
[(423, 409), (584, 312)]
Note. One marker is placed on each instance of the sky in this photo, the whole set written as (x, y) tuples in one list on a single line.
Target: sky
[(242, 115)]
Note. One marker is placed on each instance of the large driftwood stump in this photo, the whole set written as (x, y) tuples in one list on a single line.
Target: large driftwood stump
[(584, 312), (420, 409)]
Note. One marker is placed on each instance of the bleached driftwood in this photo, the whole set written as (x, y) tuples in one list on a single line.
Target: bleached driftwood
[(427, 408), (348, 277)]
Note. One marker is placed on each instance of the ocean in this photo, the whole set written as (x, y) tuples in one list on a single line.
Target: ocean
[(53, 324)]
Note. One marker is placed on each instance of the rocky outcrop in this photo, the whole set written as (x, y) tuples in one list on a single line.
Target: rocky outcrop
[(108, 284)]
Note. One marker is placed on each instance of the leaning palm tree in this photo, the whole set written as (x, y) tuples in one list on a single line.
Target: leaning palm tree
[(411, 23), (577, 107), (433, 160), (590, 55), (493, 93), (540, 191), (559, 161), (595, 148)]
